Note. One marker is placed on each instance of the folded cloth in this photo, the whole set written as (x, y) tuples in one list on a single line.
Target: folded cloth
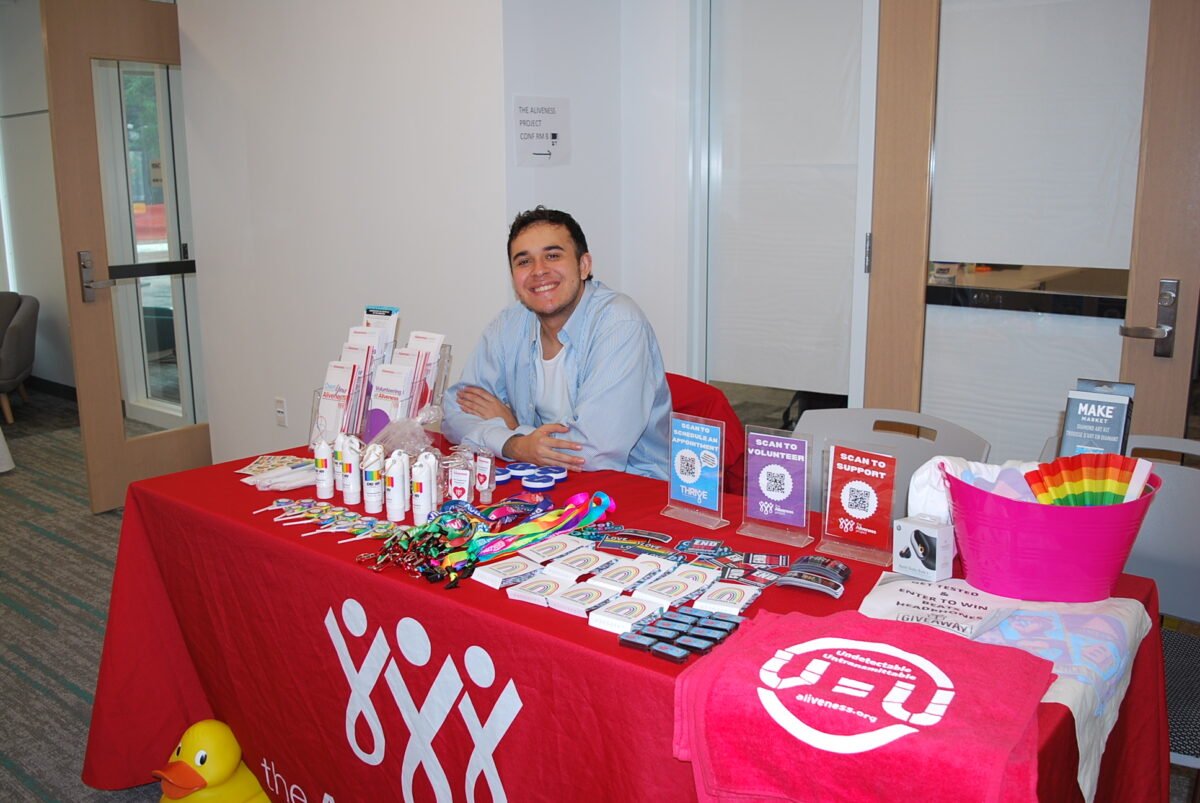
[(846, 707), (929, 494), (1091, 645)]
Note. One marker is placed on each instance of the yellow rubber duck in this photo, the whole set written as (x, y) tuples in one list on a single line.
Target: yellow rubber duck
[(207, 766)]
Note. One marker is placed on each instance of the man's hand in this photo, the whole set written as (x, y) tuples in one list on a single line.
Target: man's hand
[(478, 401), (542, 448)]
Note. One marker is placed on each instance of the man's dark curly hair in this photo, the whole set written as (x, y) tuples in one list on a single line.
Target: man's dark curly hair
[(541, 214)]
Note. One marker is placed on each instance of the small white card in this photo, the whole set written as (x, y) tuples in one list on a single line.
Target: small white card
[(554, 547), (507, 572), (627, 573), (535, 589), (623, 614), (723, 597), (667, 591), (696, 574), (580, 598), (578, 563)]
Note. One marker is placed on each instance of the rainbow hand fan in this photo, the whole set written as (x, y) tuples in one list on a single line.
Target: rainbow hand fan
[(1089, 479)]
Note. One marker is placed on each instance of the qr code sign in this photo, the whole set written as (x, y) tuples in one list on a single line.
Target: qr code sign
[(687, 466), (775, 482), (859, 499)]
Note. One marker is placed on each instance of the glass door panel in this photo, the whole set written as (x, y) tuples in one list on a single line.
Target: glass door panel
[(146, 225), (789, 145)]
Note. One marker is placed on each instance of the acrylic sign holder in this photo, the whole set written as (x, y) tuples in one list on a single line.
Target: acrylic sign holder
[(697, 474), (860, 497), (776, 498)]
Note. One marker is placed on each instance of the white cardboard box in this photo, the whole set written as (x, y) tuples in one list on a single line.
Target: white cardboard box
[(923, 547)]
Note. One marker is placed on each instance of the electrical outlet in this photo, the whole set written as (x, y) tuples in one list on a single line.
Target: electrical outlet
[(280, 411)]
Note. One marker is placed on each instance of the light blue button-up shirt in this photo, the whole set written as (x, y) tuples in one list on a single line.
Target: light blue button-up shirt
[(621, 406)]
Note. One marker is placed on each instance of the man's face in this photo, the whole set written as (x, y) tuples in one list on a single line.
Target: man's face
[(547, 274)]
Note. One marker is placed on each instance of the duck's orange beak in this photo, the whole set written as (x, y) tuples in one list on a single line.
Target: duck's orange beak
[(179, 779)]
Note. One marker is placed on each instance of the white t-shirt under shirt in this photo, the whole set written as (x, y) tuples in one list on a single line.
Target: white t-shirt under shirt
[(553, 399)]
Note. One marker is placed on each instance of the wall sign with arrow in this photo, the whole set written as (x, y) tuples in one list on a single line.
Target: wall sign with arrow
[(542, 133)]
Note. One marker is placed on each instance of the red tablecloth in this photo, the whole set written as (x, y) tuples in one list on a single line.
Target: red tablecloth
[(344, 682)]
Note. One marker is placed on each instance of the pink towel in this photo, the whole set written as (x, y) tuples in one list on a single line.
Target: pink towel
[(850, 708)]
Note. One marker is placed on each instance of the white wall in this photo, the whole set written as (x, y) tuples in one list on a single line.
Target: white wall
[(656, 126), (569, 49), (340, 155), (28, 199), (362, 154), (624, 66)]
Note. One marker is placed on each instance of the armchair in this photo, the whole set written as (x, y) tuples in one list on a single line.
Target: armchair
[(18, 333)]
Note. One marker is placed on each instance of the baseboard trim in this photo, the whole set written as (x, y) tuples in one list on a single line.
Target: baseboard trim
[(52, 388)]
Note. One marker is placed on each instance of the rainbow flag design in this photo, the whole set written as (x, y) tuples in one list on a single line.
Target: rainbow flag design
[(734, 595), (629, 608), (1089, 479)]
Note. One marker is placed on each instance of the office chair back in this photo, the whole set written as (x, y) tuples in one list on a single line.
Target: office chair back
[(1167, 548), (693, 397), (912, 438)]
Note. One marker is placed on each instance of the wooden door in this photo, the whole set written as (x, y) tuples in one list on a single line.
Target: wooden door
[(76, 32), (1166, 229)]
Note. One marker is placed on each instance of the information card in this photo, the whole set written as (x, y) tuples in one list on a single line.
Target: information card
[(694, 491), (858, 506), (776, 486)]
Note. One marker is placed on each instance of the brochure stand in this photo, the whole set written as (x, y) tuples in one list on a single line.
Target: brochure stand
[(328, 417), (776, 500), (696, 483), (859, 499)]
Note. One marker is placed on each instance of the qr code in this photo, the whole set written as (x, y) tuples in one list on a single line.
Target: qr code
[(774, 482), (858, 499), (688, 467)]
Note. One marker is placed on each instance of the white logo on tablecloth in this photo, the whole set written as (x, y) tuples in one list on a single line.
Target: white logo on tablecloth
[(852, 690), (426, 718)]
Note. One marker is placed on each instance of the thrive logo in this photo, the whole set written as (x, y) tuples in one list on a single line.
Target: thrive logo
[(859, 689)]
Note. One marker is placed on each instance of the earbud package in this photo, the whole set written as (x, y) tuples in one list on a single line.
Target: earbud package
[(923, 547)]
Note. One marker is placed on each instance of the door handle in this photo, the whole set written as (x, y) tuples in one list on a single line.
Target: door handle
[(1146, 332), (1163, 333), (85, 274)]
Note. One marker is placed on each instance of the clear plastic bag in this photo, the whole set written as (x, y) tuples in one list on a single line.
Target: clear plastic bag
[(405, 434)]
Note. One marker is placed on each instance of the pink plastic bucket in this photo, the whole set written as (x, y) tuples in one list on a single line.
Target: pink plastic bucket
[(1053, 553)]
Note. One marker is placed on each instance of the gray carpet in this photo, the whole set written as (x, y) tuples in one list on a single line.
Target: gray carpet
[(56, 565)]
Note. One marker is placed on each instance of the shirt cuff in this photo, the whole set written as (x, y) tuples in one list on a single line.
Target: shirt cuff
[(497, 434)]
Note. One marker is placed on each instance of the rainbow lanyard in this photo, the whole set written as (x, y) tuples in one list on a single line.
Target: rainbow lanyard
[(580, 511)]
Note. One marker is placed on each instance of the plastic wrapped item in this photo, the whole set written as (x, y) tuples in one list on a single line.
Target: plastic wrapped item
[(405, 434), (460, 477), (431, 414)]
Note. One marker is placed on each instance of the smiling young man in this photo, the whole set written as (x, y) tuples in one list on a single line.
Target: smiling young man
[(569, 376)]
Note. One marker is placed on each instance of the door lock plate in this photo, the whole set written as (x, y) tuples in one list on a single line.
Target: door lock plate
[(1163, 332)]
